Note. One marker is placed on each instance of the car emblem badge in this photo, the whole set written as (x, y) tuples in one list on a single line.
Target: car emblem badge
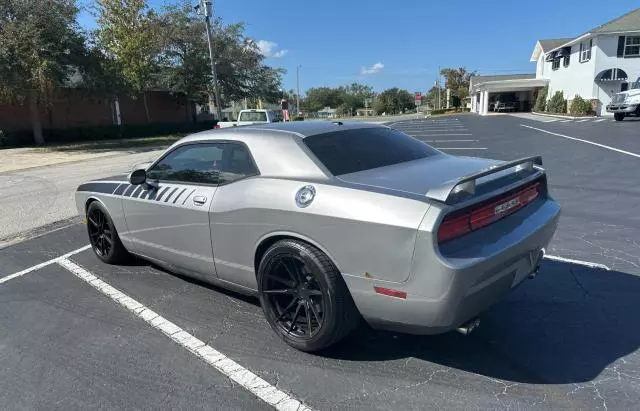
[(305, 196)]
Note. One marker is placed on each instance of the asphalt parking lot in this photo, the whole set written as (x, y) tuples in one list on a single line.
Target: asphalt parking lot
[(566, 340)]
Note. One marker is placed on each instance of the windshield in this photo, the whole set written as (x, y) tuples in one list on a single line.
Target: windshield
[(349, 151), (253, 116)]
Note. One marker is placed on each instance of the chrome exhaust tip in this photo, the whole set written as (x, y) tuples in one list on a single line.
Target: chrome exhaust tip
[(469, 326)]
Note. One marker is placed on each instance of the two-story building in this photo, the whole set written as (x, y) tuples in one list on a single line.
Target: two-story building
[(594, 66)]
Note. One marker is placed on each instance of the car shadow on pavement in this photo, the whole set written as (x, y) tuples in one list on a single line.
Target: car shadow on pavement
[(565, 326)]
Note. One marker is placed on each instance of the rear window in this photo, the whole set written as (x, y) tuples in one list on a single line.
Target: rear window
[(253, 116), (349, 151)]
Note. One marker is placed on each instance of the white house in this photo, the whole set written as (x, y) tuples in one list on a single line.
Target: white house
[(594, 66)]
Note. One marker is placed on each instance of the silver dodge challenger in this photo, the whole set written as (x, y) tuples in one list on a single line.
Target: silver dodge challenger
[(328, 223)]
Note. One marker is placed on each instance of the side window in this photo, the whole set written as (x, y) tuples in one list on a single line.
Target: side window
[(205, 163)]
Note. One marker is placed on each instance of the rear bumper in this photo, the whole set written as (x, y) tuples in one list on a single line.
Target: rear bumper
[(621, 108), (450, 288)]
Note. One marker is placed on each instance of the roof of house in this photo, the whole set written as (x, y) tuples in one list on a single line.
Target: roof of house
[(626, 22), (548, 44)]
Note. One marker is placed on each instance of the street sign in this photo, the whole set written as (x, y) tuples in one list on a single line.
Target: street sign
[(418, 98)]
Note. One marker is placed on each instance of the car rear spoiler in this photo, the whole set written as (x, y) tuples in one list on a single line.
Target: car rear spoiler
[(443, 192)]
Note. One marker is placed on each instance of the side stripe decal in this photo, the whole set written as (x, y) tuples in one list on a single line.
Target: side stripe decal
[(121, 189), (164, 190), (166, 200), (137, 192), (179, 194), (129, 190), (188, 195)]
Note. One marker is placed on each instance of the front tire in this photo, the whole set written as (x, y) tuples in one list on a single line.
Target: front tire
[(103, 236), (618, 116), (304, 297)]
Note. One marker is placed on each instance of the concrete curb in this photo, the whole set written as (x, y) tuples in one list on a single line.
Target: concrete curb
[(537, 113)]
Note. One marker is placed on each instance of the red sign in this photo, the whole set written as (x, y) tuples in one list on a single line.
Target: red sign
[(418, 95)]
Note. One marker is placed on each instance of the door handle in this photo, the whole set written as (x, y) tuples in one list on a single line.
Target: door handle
[(199, 200)]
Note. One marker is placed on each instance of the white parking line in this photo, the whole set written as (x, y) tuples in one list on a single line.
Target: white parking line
[(450, 141), (41, 265), (580, 262), (225, 365), (585, 141), (582, 121), (461, 148), (565, 121), (441, 134), (599, 120)]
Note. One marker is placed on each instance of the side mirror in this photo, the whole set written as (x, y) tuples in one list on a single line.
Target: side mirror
[(138, 176)]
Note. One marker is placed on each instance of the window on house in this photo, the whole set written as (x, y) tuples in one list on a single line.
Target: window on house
[(585, 50), (555, 64), (632, 47), (566, 60)]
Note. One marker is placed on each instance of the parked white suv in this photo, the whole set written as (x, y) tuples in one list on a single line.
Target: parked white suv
[(626, 103)]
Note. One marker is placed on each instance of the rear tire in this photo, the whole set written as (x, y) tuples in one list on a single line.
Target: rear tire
[(618, 116), (304, 297), (103, 236)]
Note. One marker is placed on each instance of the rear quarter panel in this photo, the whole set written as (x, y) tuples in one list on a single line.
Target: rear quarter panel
[(360, 231)]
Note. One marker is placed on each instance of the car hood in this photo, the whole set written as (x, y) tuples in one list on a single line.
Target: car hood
[(419, 176), (631, 93)]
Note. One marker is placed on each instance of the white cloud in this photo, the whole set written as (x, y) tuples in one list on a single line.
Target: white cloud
[(376, 68), (268, 49)]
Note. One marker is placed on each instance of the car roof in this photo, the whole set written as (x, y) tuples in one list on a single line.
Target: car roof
[(285, 139), (309, 128)]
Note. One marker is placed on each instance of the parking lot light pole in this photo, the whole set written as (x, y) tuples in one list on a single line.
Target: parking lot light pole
[(206, 8)]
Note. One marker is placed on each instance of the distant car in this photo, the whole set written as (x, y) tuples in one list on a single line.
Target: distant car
[(251, 117), (330, 222)]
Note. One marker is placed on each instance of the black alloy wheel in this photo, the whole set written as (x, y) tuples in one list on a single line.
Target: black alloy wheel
[(304, 296), (103, 236), (100, 233), (296, 297)]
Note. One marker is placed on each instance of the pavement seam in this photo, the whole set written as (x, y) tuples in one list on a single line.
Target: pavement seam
[(268, 393)]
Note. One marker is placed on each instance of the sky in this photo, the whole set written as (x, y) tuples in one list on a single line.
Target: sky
[(402, 43)]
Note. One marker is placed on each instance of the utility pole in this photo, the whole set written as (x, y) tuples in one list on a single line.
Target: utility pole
[(206, 7), (438, 83), (298, 89)]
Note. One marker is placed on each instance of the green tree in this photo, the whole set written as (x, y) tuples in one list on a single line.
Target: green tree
[(557, 103), (457, 80), (580, 106), (183, 62), (40, 49), (126, 33), (394, 101), (431, 96), (240, 66), (541, 100), (321, 97)]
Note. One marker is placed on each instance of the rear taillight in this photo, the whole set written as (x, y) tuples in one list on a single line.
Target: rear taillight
[(461, 223), (216, 126)]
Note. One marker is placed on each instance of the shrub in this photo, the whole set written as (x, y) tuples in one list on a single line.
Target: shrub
[(298, 118), (580, 106), (80, 134), (437, 111), (557, 104), (541, 101)]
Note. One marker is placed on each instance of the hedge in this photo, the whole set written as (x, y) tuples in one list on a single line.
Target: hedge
[(580, 106), (79, 134)]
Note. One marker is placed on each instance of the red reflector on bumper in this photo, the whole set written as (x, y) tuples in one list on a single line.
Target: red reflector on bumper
[(390, 292)]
